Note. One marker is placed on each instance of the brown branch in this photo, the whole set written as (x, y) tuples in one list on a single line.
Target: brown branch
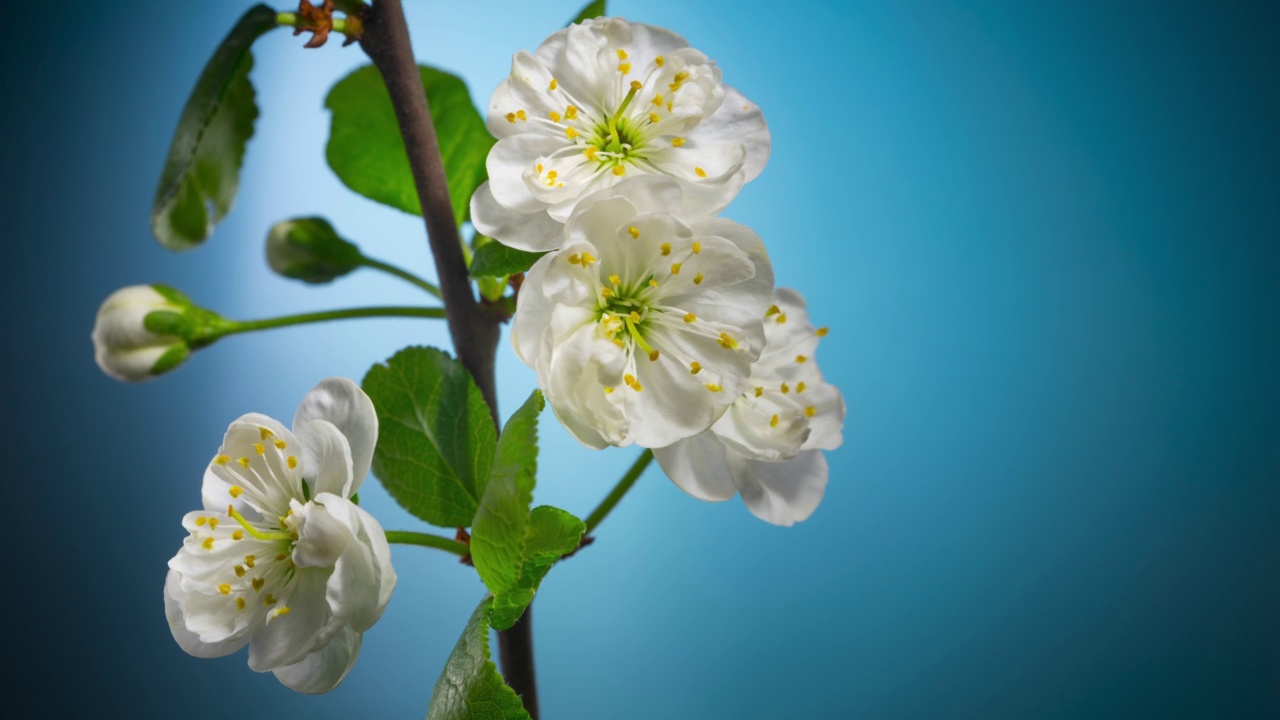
[(474, 332)]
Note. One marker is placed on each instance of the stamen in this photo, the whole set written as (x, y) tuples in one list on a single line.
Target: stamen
[(622, 54), (259, 448), (801, 359), (280, 444), (608, 390), (619, 170), (785, 389), (810, 411), (521, 114), (269, 600), (555, 116), (675, 267), (782, 318), (653, 283), (653, 356), (511, 118), (665, 248), (590, 152), (280, 611), (773, 310), (677, 142), (697, 279), (659, 61), (727, 342), (571, 112), (255, 532), (224, 588), (624, 67), (615, 280), (237, 535), (292, 462), (822, 331), (759, 391), (606, 292), (700, 172), (697, 247), (221, 460), (213, 523), (244, 462), (553, 84), (799, 387), (634, 232), (570, 133), (714, 387), (258, 583), (773, 421), (240, 571), (657, 100), (695, 367), (654, 118), (200, 521), (250, 560), (239, 603), (207, 544), (235, 491)]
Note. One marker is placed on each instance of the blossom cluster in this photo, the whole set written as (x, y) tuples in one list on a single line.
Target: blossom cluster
[(653, 321)]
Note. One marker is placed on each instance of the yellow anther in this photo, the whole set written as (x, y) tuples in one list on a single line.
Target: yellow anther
[(727, 342), (551, 174), (280, 611), (521, 114), (280, 444), (222, 460), (657, 100), (239, 603), (622, 54), (782, 318), (258, 583), (570, 133), (653, 356), (538, 168), (511, 118), (636, 85), (799, 387), (773, 421), (619, 343), (801, 358), (629, 379), (200, 521), (714, 387), (259, 448), (207, 544), (810, 411), (619, 170), (244, 462), (634, 232), (681, 76), (659, 61), (608, 390), (213, 523), (697, 247), (700, 172), (292, 462), (697, 279), (673, 87), (773, 310), (655, 118), (675, 268), (555, 116), (280, 556), (553, 84), (250, 560), (615, 280), (237, 535), (224, 588), (637, 386), (668, 106), (785, 388), (695, 367), (677, 141), (571, 112), (575, 259), (759, 391), (265, 432), (235, 491), (690, 317), (822, 331), (240, 571), (606, 292), (635, 316), (587, 259), (624, 68), (269, 600), (590, 152), (665, 248), (653, 283)]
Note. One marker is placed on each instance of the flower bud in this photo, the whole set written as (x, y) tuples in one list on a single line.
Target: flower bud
[(128, 347), (309, 249)]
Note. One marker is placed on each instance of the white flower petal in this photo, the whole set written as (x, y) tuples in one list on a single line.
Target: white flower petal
[(189, 641), (362, 578), (782, 493), (740, 119), (674, 404), (252, 458), (341, 401), (322, 536), (509, 162), (322, 670), (326, 459), (698, 466), (287, 638), (532, 231)]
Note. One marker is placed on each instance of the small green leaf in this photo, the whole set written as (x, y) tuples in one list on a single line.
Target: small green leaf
[(367, 153), (593, 9), (493, 259), (470, 687), (202, 173), (512, 547), (435, 436)]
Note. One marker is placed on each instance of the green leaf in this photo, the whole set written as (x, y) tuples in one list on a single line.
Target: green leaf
[(493, 259), (512, 547), (366, 151), (470, 687), (592, 10), (202, 173), (435, 436)]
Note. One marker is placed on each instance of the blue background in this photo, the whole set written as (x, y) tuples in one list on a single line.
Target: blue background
[(1044, 236)]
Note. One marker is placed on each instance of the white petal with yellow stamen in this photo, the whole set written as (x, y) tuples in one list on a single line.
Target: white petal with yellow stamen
[(767, 445), (625, 321), (280, 558), (606, 100)]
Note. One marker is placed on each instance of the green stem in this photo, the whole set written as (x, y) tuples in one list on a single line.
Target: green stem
[(240, 326), (406, 537), (400, 273), (288, 19), (637, 468)]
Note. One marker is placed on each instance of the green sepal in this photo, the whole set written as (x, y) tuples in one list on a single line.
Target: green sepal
[(172, 358), (309, 249), (470, 687), (201, 173)]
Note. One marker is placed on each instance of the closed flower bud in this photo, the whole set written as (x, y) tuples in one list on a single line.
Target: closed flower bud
[(145, 330), (309, 249)]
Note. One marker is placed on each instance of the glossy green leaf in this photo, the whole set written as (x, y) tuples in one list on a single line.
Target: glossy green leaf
[(202, 172), (366, 151), (493, 259), (470, 687), (435, 437), (592, 10), (512, 547)]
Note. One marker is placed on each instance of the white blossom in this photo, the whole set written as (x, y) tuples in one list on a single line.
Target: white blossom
[(123, 347), (280, 558), (642, 328), (767, 446), (601, 101)]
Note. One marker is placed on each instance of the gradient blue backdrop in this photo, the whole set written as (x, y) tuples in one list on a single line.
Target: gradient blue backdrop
[(1044, 236)]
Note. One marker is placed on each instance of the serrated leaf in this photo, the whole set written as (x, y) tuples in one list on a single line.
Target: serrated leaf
[(435, 437), (202, 172), (592, 10), (512, 547), (470, 687), (367, 153), (493, 259)]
